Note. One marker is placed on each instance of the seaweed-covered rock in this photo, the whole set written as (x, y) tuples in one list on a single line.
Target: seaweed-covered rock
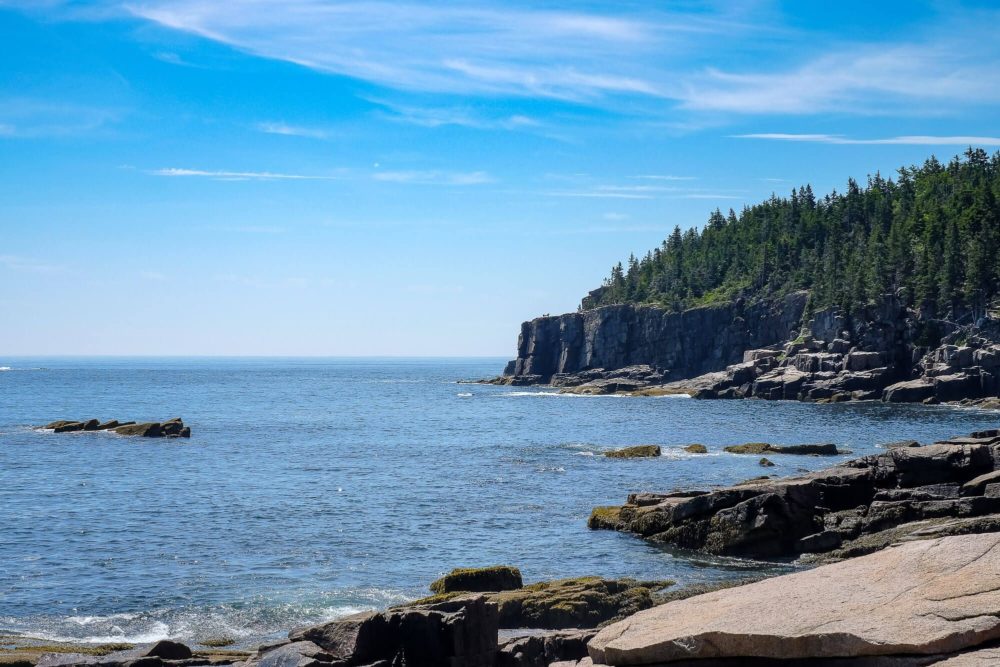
[(696, 449), (479, 579), (639, 451), (584, 602)]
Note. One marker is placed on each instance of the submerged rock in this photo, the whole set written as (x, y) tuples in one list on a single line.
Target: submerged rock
[(920, 598)]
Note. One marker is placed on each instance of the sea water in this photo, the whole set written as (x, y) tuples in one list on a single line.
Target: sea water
[(313, 488)]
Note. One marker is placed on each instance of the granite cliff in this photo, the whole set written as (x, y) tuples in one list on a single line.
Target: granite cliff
[(674, 345)]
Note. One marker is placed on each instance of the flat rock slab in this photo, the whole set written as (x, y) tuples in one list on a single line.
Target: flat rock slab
[(919, 598)]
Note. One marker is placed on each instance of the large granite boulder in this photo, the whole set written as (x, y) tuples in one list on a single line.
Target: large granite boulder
[(920, 598)]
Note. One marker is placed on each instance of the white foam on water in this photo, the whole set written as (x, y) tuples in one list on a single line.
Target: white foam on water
[(6, 368), (464, 394)]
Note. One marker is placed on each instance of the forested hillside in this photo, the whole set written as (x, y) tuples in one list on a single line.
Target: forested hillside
[(932, 235)]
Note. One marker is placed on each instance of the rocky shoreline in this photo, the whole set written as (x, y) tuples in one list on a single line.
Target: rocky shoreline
[(886, 352), (901, 552)]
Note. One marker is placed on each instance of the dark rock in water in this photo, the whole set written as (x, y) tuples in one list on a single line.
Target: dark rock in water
[(584, 602), (478, 580), (765, 448), (166, 649), (460, 632), (146, 430), (171, 428), (68, 427), (767, 463), (540, 650), (639, 451), (696, 449)]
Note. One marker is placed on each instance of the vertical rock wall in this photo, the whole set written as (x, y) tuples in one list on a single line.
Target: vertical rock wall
[(686, 344)]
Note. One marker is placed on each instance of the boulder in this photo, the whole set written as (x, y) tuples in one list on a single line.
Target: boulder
[(166, 649), (862, 361), (458, 632), (114, 423), (480, 579), (540, 650), (696, 449), (583, 602), (919, 598), (639, 451), (292, 654), (146, 430), (91, 425), (68, 427), (909, 391)]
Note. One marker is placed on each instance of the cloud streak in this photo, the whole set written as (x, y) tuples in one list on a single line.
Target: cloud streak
[(174, 172), (908, 140), (434, 177)]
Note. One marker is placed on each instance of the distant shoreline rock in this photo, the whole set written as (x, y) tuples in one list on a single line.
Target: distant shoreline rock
[(172, 428)]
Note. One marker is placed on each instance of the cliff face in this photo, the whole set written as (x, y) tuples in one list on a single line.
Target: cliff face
[(683, 344)]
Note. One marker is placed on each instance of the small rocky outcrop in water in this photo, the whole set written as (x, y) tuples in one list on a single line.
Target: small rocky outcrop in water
[(766, 448), (950, 487), (172, 428), (636, 452)]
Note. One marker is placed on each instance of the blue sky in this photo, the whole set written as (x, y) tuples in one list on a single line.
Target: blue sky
[(366, 178)]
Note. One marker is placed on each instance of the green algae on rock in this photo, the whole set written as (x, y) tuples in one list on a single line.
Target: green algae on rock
[(639, 451), (479, 579)]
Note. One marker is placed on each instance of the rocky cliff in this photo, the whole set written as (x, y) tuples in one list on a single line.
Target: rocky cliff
[(674, 344)]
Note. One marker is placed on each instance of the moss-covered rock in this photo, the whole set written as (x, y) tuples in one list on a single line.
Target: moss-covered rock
[(607, 517), (479, 579), (585, 602), (696, 449), (639, 451)]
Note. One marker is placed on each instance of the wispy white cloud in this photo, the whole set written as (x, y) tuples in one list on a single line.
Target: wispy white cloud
[(31, 118), (28, 265), (434, 177), (294, 130), (463, 48), (237, 175), (926, 75), (909, 140), (462, 116), (664, 177)]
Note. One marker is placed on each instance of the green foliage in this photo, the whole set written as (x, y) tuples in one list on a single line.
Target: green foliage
[(931, 235)]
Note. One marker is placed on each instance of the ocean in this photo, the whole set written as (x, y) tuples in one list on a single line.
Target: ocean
[(313, 488)]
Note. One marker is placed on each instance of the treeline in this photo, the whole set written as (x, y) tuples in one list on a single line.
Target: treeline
[(932, 236)]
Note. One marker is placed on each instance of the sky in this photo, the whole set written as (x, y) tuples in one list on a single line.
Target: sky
[(306, 177)]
